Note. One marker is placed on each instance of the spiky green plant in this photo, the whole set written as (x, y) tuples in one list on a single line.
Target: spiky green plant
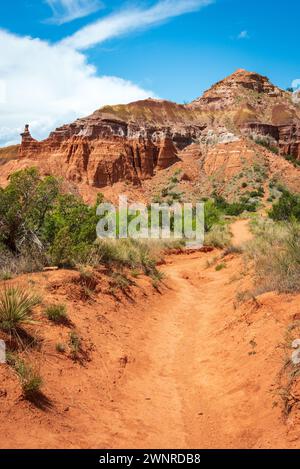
[(56, 313), (30, 379), (16, 307)]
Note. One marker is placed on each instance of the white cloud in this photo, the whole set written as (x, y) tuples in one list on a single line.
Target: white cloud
[(130, 20), (65, 11), (244, 35), (296, 84), (47, 85), (296, 93), (2, 91)]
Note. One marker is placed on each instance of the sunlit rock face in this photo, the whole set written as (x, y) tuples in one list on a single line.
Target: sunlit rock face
[(132, 142)]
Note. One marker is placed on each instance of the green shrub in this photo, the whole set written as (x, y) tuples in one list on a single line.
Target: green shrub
[(212, 215), (24, 205), (235, 208), (266, 142), (292, 159), (30, 379), (39, 222), (74, 344), (5, 276), (56, 313), (220, 267), (286, 208)]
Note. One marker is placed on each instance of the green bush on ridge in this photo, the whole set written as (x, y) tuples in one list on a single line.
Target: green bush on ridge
[(42, 226), (287, 207), (235, 208)]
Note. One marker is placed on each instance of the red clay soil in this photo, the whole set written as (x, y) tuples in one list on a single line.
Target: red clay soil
[(189, 367)]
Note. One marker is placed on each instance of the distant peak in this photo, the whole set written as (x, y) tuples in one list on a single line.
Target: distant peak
[(224, 92), (241, 71)]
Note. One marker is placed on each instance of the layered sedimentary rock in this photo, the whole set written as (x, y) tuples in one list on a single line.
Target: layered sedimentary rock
[(102, 149), (252, 105), (132, 142), (289, 140), (103, 159), (226, 92)]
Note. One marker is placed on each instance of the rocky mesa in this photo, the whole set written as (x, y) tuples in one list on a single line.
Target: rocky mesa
[(130, 143)]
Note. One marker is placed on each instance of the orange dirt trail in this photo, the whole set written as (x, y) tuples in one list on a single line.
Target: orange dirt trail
[(240, 232), (190, 385), (198, 369)]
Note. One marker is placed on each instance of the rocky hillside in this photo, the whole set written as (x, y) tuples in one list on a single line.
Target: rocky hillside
[(131, 143), (9, 153)]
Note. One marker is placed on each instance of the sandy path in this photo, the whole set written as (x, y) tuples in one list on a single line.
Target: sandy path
[(240, 232), (188, 386), (189, 376)]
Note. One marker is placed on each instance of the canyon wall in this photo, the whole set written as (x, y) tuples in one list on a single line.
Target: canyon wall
[(132, 142)]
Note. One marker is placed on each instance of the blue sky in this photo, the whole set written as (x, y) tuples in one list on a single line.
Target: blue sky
[(174, 49)]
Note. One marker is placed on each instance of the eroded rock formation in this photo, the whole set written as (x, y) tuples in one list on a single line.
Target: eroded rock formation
[(132, 142)]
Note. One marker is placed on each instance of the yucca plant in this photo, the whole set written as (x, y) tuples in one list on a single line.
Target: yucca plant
[(16, 308)]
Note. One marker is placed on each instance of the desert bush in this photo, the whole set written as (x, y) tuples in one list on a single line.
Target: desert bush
[(16, 307), (30, 378), (24, 204), (235, 208), (120, 280), (218, 237), (169, 194), (134, 254), (74, 344), (220, 267), (39, 225), (292, 159), (70, 230), (26, 261), (56, 313), (5, 275), (158, 275), (275, 251), (286, 208), (266, 142), (60, 348), (212, 214)]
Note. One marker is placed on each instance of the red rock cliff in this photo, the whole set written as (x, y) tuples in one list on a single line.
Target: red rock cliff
[(131, 142)]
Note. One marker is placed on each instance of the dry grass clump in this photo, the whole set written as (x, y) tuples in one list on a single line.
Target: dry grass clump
[(29, 376), (275, 252), (135, 254), (219, 237), (57, 313), (25, 262)]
